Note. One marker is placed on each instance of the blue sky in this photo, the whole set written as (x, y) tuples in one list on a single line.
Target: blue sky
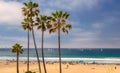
[(95, 23)]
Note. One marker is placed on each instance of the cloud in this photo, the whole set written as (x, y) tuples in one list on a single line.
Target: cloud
[(77, 38), (10, 12), (46, 11), (98, 25), (67, 5), (80, 38), (82, 4), (7, 42), (96, 35)]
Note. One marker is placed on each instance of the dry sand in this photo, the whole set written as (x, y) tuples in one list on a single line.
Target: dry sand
[(10, 67)]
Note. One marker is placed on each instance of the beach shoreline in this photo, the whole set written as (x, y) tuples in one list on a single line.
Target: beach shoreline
[(53, 67), (73, 61), (78, 60)]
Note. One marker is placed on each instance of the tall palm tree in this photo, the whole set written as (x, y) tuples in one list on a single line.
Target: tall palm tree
[(17, 48), (59, 21), (41, 22), (30, 11), (26, 26)]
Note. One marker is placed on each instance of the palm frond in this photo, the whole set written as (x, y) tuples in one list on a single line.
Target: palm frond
[(24, 26), (59, 14), (39, 27), (64, 30), (64, 14), (49, 17), (43, 26), (35, 5), (69, 26), (54, 15), (17, 48), (67, 16), (49, 26), (30, 4), (25, 4), (55, 25), (38, 19), (52, 30)]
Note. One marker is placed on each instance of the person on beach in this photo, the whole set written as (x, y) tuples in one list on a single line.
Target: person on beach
[(67, 66)]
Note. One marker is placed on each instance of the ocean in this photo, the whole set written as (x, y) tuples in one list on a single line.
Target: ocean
[(88, 55)]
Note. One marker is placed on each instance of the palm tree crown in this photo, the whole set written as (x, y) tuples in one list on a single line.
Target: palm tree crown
[(17, 48), (59, 18), (41, 22), (29, 10)]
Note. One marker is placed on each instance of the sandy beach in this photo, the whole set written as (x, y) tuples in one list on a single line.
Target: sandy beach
[(10, 67)]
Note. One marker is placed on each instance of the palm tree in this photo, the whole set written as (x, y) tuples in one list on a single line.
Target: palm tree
[(41, 22), (30, 11), (17, 48), (26, 26), (59, 21)]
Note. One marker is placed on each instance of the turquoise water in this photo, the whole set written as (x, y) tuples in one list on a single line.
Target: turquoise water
[(68, 52), (87, 55)]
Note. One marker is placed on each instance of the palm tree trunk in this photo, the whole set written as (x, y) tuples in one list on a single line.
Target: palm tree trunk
[(35, 43), (17, 62), (59, 50), (43, 52), (28, 53), (36, 50)]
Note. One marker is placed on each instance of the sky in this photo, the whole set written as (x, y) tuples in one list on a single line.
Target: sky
[(95, 23)]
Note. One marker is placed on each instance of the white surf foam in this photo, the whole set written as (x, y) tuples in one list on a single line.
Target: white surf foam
[(81, 60)]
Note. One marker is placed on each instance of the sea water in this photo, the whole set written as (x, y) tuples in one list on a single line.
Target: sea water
[(88, 55)]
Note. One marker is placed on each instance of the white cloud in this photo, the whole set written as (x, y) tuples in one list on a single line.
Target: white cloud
[(47, 11), (89, 39), (98, 25), (86, 4), (78, 38), (106, 21), (10, 12), (9, 41), (71, 4)]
